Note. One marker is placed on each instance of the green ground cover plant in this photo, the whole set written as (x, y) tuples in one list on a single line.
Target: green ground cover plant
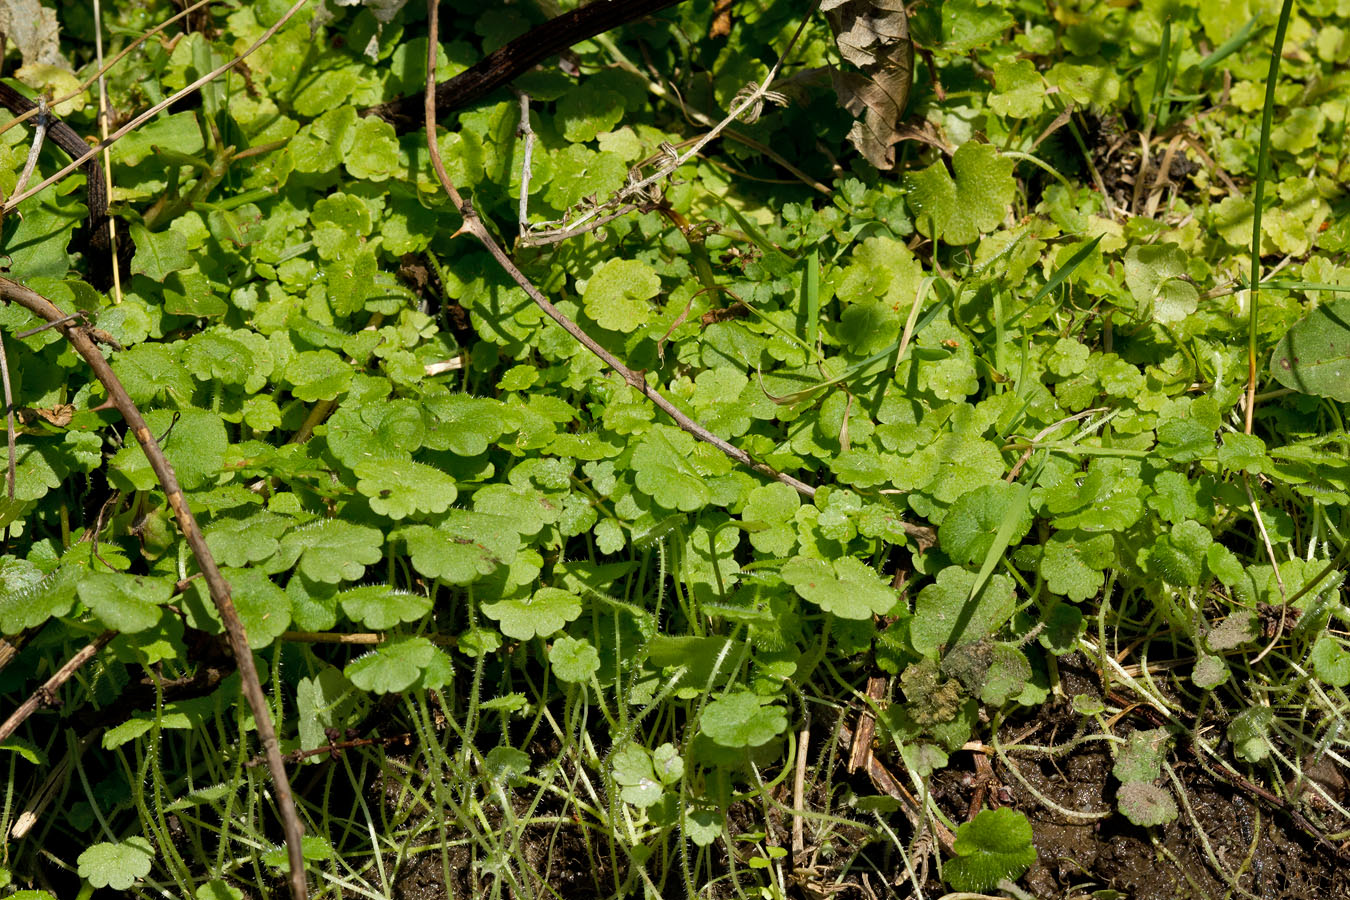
[(980, 406)]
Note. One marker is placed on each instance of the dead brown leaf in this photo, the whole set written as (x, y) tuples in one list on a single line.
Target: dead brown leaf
[(721, 23), (873, 35), (59, 415)]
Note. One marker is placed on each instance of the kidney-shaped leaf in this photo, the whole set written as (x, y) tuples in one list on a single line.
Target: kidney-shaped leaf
[(742, 719), (996, 844), (846, 587), (1313, 357)]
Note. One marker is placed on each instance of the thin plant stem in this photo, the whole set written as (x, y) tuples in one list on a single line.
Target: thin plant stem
[(528, 134), (49, 688), (79, 338), (9, 423), (105, 67), (1258, 197), (150, 113), (104, 114), (35, 149), (749, 101), (473, 225)]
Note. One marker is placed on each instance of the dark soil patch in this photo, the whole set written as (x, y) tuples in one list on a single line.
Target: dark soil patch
[(559, 857), (1225, 833), (1261, 846), (1275, 860), (1114, 149)]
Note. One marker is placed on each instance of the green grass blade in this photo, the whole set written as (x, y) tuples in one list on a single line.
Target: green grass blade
[(877, 361), (1006, 529), (1070, 266), (1164, 73), (1060, 276), (1230, 46), (1258, 198), (811, 289), (1305, 286), (760, 240)]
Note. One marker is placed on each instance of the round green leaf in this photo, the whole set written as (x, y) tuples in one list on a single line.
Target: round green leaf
[(994, 845), (543, 614), (28, 598), (374, 152), (398, 488), (463, 548), (1313, 357), (633, 772), (958, 209), (117, 866), (252, 539), (1145, 803), (392, 667), (379, 606), (742, 720), (1330, 661), (318, 375), (193, 441), (217, 889), (127, 603), (967, 533), (158, 253), (946, 614), (847, 588), (572, 660), (334, 550), (704, 826), (616, 295), (587, 111), (665, 473)]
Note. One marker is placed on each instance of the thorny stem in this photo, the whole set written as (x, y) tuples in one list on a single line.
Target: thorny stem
[(694, 116), (751, 99), (473, 225), (79, 338), (558, 235)]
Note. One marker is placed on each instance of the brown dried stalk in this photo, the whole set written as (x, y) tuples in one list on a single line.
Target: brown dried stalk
[(519, 56), (79, 336), (47, 692), (473, 225)]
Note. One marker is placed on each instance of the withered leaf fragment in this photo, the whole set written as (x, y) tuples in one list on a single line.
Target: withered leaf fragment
[(873, 35)]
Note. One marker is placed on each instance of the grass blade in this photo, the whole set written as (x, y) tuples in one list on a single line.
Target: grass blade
[(1061, 275), (1259, 195), (811, 290)]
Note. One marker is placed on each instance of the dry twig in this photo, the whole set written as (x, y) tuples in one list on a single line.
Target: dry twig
[(150, 113), (473, 224), (104, 68), (890, 785), (519, 56), (80, 339), (47, 692), (748, 103)]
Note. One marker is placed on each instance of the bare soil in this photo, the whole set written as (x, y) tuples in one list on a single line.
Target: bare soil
[(1227, 841)]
